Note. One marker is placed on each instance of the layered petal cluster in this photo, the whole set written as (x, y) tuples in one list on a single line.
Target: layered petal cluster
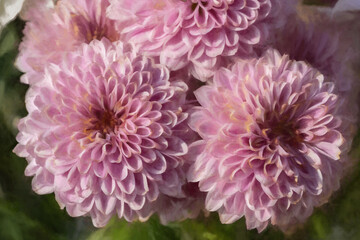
[(198, 33), (272, 141), (106, 132), (323, 42), (50, 32)]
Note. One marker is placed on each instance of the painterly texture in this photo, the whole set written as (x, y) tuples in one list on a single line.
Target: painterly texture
[(198, 34), (26, 215), (9, 10), (322, 43), (106, 132), (52, 31), (272, 141)]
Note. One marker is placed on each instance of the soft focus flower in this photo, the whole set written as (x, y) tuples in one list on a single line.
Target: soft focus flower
[(347, 5), (106, 132), (8, 11), (198, 34), (49, 33), (321, 42), (30, 4), (171, 209), (272, 141)]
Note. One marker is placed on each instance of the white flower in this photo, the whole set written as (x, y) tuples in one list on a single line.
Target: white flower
[(8, 10)]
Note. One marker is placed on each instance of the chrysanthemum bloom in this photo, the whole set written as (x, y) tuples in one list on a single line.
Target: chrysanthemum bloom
[(106, 132), (50, 32), (272, 141), (323, 42), (200, 34)]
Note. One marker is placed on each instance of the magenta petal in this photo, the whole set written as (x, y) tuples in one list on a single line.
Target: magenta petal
[(128, 184)]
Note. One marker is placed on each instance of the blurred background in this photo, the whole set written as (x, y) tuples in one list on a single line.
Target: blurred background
[(26, 215)]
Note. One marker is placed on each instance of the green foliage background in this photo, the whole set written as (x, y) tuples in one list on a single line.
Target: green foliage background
[(25, 215)]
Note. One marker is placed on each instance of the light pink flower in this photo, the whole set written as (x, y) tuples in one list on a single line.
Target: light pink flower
[(106, 132), (323, 42), (201, 34), (49, 32), (272, 141)]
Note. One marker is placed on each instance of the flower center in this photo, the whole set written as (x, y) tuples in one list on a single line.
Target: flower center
[(103, 121), (281, 130), (194, 6), (106, 123), (89, 30)]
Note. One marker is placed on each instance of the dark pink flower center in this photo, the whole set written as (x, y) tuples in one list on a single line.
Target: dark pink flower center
[(107, 122), (194, 6), (281, 130), (87, 29), (104, 122)]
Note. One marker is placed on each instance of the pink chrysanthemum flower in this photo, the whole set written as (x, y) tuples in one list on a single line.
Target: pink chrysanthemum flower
[(106, 132), (323, 42), (271, 144), (49, 32), (198, 33)]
